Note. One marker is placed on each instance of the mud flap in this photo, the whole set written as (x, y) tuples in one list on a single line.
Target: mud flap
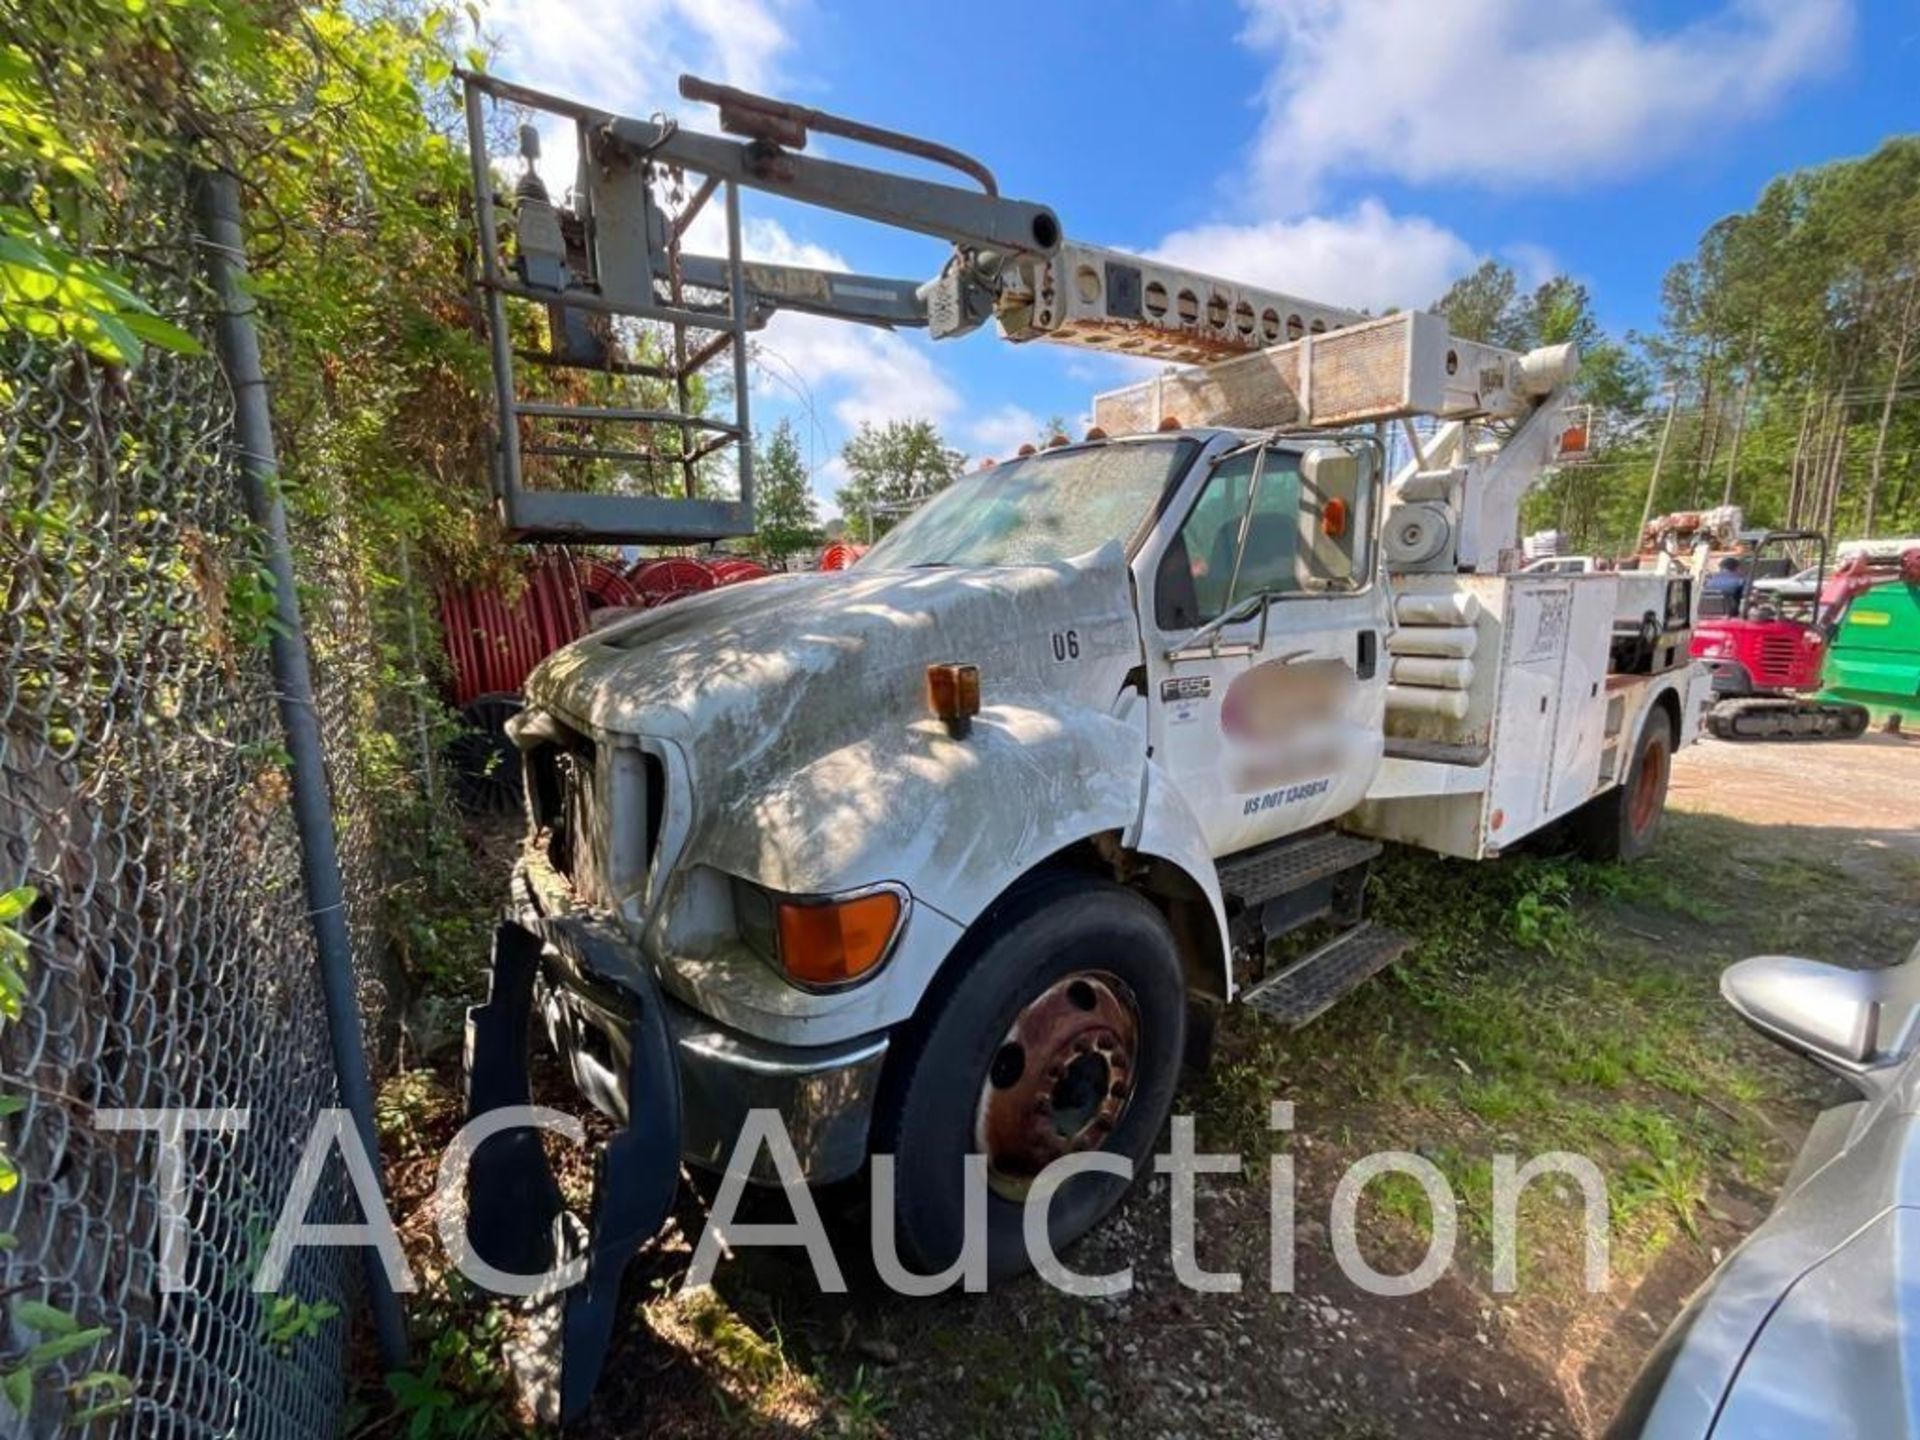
[(516, 1218)]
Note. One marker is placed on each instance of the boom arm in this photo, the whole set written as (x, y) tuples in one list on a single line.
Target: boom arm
[(615, 251), (1009, 261)]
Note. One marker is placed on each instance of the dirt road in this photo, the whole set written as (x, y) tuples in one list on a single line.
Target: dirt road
[(1865, 791)]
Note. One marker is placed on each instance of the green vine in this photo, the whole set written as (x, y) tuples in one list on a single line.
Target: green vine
[(58, 1335)]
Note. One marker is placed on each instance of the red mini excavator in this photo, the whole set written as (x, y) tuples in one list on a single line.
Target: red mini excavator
[(1766, 655)]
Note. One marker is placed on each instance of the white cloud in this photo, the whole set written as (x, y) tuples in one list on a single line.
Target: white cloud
[(858, 375), (1511, 92), (828, 480), (853, 372), (1368, 258), (1532, 264), (1004, 429), (627, 56)]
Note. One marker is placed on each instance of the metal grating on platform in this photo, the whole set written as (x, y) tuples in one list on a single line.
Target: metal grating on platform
[(1308, 988), (1293, 864)]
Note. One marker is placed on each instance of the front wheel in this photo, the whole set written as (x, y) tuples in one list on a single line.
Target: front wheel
[(1623, 823), (1062, 1033)]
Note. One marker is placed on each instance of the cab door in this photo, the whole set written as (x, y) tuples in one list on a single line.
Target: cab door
[(1270, 719)]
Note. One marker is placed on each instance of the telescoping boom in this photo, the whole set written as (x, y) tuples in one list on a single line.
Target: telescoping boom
[(620, 248)]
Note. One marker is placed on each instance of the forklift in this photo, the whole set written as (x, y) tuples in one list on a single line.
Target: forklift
[(1766, 655)]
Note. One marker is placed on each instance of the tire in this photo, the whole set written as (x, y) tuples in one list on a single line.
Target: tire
[(1075, 956), (1623, 824)]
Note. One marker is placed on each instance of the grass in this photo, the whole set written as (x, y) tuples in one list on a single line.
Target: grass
[(1549, 1004)]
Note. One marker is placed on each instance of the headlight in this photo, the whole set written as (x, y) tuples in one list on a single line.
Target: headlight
[(821, 942)]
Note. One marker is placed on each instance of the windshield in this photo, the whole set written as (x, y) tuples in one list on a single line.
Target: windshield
[(1037, 509)]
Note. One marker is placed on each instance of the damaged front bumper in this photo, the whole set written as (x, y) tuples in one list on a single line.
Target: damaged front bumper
[(678, 1085)]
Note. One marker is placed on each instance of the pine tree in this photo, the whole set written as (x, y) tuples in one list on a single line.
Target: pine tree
[(786, 519)]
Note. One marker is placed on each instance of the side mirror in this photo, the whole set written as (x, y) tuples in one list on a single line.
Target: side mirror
[(1854, 1022), (1336, 512)]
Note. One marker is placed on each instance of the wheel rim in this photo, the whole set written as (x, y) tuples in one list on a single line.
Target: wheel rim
[(1060, 1081), (1649, 786)]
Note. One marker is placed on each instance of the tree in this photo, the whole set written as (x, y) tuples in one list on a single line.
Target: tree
[(1789, 342), (892, 468), (1484, 306), (1487, 306), (784, 514)]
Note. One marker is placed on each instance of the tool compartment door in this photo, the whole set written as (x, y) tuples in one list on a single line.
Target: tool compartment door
[(1580, 733), (1533, 649)]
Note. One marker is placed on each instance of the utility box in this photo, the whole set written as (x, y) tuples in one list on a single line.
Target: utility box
[(1527, 726)]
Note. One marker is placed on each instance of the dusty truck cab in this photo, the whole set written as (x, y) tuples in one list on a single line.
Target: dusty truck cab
[(764, 869), (750, 801)]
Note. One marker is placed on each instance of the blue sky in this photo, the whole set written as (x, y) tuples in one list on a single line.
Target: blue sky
[(1360, 152)]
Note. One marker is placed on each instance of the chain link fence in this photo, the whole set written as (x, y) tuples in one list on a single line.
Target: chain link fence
[(167, 953)]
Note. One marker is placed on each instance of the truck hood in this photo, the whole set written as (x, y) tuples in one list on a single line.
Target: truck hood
[(774, 672)]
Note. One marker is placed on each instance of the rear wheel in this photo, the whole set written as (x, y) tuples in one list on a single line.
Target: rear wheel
[(1623, 823), (1061, 1035)]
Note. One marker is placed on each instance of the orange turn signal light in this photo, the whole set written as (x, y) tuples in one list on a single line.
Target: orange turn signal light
[(834, 941), (953, 694), (1333, 518)]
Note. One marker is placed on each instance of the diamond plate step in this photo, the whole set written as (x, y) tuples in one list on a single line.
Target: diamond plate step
[(1306, 988), (1293, 864)]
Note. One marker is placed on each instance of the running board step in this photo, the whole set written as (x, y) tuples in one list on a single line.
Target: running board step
[(1293, 864), (1307, 988)]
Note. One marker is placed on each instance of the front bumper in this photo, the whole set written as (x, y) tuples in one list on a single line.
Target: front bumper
[(824, 1094), (517, 1220)]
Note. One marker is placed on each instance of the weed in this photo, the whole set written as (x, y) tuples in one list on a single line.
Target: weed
[(289, 1319), (860, 1405), (458, 1391), (407, 1102)]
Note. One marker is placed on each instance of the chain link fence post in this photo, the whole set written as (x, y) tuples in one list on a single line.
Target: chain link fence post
[(217, 207)]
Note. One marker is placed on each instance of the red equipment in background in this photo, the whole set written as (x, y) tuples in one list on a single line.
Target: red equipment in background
[(493, 644), (839, 555), (659, 581), (1765, 657), (1862, 571)]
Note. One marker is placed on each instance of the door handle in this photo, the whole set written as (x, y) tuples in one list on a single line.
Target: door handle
[(1368, 657)]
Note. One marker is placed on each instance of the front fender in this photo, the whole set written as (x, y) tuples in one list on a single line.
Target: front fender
[(1170, 831), (955, 821)]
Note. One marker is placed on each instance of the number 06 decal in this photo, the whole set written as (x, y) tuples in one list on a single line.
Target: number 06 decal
[(1066, 645)]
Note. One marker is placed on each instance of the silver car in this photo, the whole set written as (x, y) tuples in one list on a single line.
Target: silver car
[(1801, 585), (1812, 1326)]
